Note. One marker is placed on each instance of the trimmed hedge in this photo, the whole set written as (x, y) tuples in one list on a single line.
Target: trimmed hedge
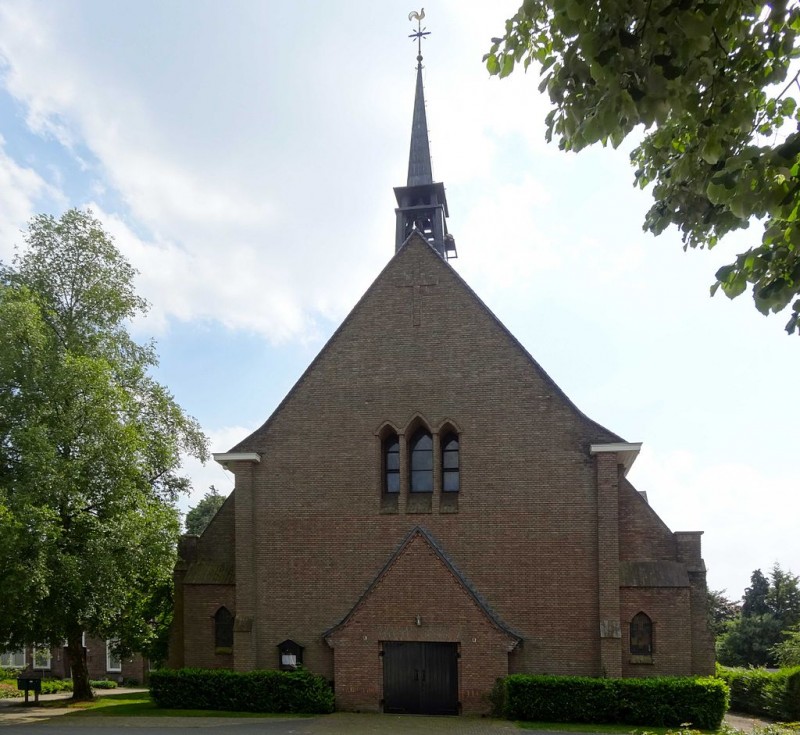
[(658, 701), (774, 694), (252, 691)]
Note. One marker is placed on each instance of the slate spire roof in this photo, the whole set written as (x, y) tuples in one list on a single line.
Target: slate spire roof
[(419, 158)]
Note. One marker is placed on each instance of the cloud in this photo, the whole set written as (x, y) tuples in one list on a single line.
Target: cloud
[(213, 241), (203, 476), (21, 189), (221, 225), (748, 515)]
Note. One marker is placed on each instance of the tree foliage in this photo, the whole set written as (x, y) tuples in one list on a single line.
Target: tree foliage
[(787, 652), (721, 611), (90, 448), (754, 601), (763, 634), (709, 82), (200, 516)]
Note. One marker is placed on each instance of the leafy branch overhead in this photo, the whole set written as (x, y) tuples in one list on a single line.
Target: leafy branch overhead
[(713, 84)]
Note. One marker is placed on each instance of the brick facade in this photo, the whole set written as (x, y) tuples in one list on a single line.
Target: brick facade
[(540, 531), (134, 669)]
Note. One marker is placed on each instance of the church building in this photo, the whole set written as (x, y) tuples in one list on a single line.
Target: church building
[(427, 511)]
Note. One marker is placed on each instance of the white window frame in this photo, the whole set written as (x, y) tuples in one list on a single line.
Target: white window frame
[(39, 652), (7, 659), (112, 658)]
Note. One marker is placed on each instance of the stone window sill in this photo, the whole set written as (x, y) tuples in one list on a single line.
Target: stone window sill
[(641, 660)]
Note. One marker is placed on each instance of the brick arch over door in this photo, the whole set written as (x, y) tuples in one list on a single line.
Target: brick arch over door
[(418, 597)]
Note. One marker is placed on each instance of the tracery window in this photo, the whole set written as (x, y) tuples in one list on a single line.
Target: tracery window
[(391, 464), (421, 462), (450, 468), (641, 634), (223, 628)]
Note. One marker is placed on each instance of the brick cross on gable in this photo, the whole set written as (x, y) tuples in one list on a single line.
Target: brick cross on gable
[(417, 281)]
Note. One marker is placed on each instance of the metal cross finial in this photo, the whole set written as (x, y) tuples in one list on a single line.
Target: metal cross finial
[(420, 32)]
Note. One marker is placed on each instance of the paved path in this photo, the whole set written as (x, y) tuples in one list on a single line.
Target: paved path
[(341, 723), (16, 719)]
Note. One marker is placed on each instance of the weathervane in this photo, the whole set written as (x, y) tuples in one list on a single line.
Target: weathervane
[(420, 33)]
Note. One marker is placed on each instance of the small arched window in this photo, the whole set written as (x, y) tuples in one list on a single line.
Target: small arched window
[(422, 462), (391, 464), (450, 474), (641, 635), (223, 628)]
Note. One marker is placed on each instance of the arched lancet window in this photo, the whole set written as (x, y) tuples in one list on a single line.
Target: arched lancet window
[(421, 462), (450, 473), (391, 464), (641, 635), (223, 628)]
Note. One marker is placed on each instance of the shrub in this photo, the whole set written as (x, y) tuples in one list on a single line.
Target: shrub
[(103, 684), (663, 701), (253, 691), (774, 694), (51, 686), (8, 689)]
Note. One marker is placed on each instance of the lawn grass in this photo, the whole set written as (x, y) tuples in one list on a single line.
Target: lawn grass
[(139, 704)]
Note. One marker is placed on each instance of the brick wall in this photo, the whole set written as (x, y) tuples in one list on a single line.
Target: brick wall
[(525, 532), (642, 534), (418, 588), (669, 609), (202, 601), (527, 528)]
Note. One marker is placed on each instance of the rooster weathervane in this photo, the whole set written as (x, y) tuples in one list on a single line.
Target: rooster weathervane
[(420, 32)]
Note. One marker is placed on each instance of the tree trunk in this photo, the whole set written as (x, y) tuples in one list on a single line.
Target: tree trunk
[(81, 689)]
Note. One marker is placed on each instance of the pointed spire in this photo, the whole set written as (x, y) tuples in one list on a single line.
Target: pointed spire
[(419, 159), (421, 203)]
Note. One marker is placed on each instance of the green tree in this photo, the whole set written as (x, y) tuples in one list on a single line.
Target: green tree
[(90, 448), (708, 82), (783, 597), (749, 641), (721, 611), (754, 601), (787, 652), (770, 612), (200, 516)]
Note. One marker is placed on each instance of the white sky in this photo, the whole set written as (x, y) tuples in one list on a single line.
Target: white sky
[(244, 153)]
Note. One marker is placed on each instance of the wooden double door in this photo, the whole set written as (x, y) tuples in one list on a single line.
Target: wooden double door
[(420, 678)]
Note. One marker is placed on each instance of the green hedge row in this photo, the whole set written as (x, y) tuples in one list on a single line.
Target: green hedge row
[(775, 694), (8, 686), (658, 701), (253, 691)]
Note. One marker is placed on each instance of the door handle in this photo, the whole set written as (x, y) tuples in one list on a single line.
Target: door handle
[(423, 674)]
